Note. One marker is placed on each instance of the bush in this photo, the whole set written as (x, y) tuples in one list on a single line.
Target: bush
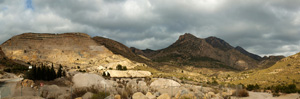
[(251, 87), (120, 67), (291, 88), (100, 95), (241, 93)]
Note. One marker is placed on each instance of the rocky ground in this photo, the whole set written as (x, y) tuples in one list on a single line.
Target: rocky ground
[(84, 85), (87, 85)]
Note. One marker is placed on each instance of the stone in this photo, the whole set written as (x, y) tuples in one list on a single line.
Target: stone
[(142, 86), (129, 73), (157, 94), (117, 97), (27, 83), (139, 95), (88, 80), (109, 97), (64, 96), (210, 94), (161, 82), (188, 96), (87, 95), (51, 91), (164, 96), (150, 96)]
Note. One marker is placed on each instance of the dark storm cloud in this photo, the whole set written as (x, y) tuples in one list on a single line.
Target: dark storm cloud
[(263, 27)]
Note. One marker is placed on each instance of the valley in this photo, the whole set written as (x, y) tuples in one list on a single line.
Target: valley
[(191, 67)]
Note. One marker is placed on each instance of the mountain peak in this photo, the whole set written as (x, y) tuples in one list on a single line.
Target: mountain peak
[(186, 36)]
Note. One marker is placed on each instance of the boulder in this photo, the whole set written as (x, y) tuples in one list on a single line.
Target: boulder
[(87, 95), (27, 83), (64, 96), (129, 73), (51, 91), (117, 97), (210, 94), (150, 96), (88, 80), (164, 96), (132, 84), (157, 94), (161, 82), (142, 86), (139, 95)]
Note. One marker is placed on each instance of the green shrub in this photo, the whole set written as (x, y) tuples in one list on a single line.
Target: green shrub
[(251, 87), (120, 67)]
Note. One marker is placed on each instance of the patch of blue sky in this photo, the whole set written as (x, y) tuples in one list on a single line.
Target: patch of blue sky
[(29, 5)]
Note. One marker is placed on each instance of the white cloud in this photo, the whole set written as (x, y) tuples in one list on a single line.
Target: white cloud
[(261, 27)]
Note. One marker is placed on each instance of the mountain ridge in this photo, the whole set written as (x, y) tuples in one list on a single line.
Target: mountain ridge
[(190, 48)]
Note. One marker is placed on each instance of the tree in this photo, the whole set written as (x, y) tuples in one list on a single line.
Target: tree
[(59, 71), (38, 73), (124, 68), (52, 73), (119, 67)]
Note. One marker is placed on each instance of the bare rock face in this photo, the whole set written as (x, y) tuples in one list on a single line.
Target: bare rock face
[(129, 73), (161, 82), (68, 49)]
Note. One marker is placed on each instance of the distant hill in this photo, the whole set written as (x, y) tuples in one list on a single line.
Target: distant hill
[(118, 48), (2, 55), (254, 56), (285, 71), (210, 52)]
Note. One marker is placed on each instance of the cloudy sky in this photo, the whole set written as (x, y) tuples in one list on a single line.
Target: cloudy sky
[(263, 27)]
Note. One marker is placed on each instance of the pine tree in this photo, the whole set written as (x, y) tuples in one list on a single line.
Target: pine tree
[(48, 75), (38, 73), (52, 73), (59, 72)]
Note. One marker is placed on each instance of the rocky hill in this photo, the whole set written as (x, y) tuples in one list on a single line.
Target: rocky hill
[(2, 55), (268, 61), (254, 56), (209, 52), (285, 71), (68, 49), (118, 48)]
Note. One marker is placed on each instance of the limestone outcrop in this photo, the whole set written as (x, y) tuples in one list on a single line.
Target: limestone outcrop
[(68, 49), (128, 73)]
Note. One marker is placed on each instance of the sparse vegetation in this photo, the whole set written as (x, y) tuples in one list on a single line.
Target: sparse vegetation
[(100, 95), (120, 67), (291, 88), (251, 87)]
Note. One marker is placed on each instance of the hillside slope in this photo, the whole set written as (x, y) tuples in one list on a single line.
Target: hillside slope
[(118, 48), (210, 52), (285, 71), (68, 49)]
